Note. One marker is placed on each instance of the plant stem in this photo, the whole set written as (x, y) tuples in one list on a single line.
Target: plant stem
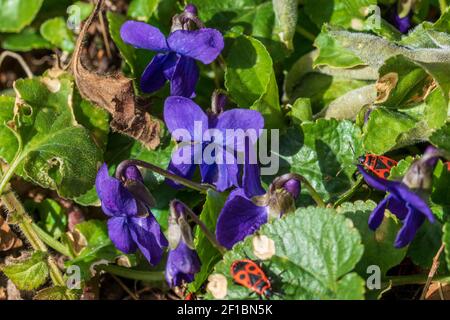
[(208, 234), (25, 223), (313, 193), (443, 6), (10, 171), (51, 242), (127, 273), (433, 270), (305, 33), (19, 59), (349, 193), (187, 183)]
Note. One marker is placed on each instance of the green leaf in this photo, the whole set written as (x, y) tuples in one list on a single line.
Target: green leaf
[(17, 14), (53, 218), (379, 247), (8, 140), (26, 40), (85, 9), (337, 12), (440, 138), (374, 51), (426, 244), (320, 151), (436, 109), (136, 59), (255, 18), (29, 274), (301, 110), (57, 33), (322, 89), (207, 253), (90, 198), (142, 10), (56, 293), (332, 54), (407, 127), (410, 87), (400, 169), (440, 201), (55, 151), (393, 123), (93, 118), (315, 251), (446, 241), (286, 13), (250, 80)]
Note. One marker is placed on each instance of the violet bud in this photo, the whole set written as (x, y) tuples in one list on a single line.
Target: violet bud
[(420, 174), (190, 8), (183, 261), (293, 187), (281, 196), (219, 100), (179, 228)]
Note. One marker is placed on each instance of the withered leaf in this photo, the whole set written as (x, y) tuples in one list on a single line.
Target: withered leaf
[(385, 85), (115, 94), (8, 239), (438, 291)]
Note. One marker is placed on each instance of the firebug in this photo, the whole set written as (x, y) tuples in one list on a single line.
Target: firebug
[(379, 165), (250, 275)]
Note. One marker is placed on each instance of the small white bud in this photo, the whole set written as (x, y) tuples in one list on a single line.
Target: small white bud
[(217, 285), (263, 247)]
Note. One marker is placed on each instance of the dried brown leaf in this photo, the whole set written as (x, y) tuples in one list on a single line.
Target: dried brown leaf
[(8, 239), (438, 291), (115, 94), (385, 85)]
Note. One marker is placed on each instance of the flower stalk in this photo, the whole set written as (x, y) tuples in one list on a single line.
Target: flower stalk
[(209, 235), (185, 182), (347, 195), (312, 192), (148, 276), (18, 215)]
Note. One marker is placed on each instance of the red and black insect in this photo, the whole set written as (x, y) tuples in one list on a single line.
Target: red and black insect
[(250, 275), (447, 164), (190, 296), (379, 165)]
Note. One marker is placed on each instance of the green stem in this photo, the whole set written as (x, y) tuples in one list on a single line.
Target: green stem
[(349, 193), (216, 71), (127, 273), (443, 6), (9, 173), (312, 192), (208, 234), (305, 33), (25, 223), (415, 279), (51, 242), (186, 182)]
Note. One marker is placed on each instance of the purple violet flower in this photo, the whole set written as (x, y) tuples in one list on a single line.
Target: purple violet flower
[(175, 60), (402, 23), (198, 135), (182, 261), (406, 198), (131, 224), (246, 210)]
